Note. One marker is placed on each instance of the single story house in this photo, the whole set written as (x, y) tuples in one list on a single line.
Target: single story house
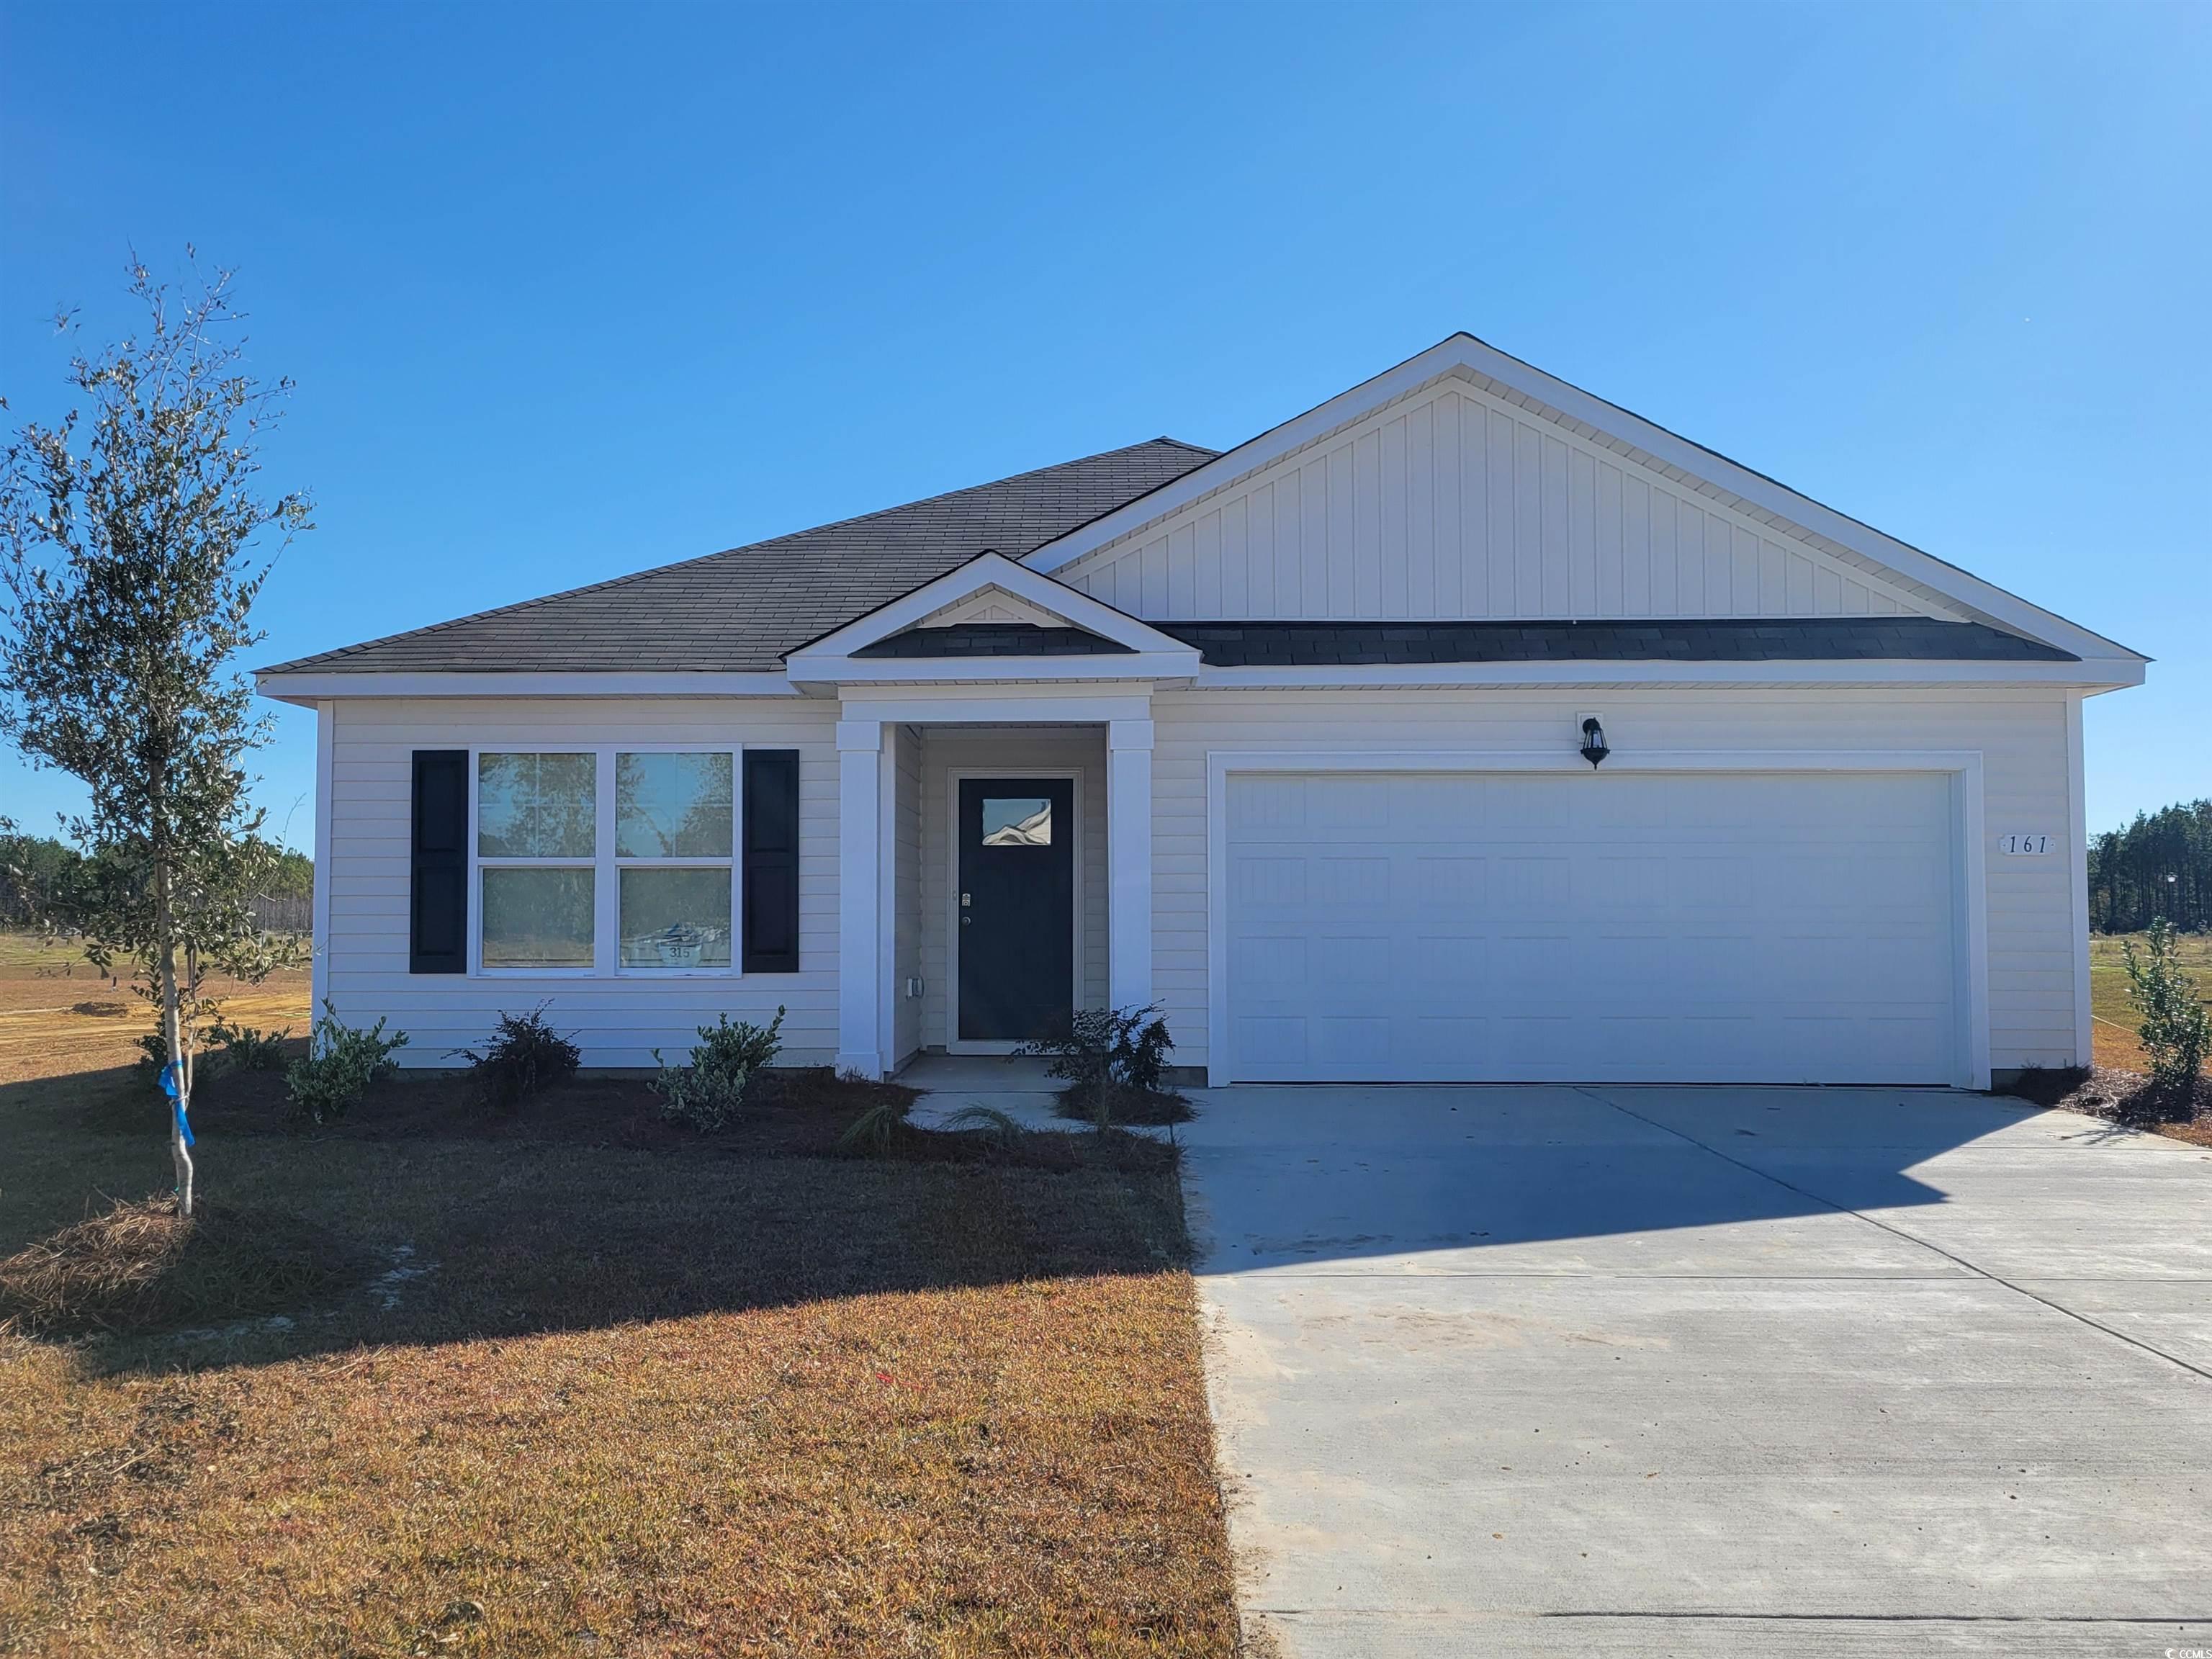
[(1465, 727)]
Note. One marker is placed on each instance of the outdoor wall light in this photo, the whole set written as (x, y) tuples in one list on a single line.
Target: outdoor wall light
[(1593, 749)]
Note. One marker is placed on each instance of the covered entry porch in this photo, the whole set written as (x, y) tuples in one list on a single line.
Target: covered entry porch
[(995, 868)]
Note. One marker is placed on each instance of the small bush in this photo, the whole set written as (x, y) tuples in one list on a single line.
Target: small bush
[(525, 1054), (1105, 1056), (341, 1063), (709, 1087), (2176, 1031), (246, 1049)]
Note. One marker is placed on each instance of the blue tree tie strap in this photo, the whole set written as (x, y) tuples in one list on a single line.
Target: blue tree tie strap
[(176, 1101)]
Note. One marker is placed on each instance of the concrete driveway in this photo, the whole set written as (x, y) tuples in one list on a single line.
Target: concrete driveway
[(1706, 1371)]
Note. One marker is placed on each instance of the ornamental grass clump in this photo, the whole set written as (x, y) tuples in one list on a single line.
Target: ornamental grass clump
[(706, 1090)]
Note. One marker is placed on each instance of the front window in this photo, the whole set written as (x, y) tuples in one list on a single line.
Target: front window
[(674, 837), (536, 840), (661, 862)]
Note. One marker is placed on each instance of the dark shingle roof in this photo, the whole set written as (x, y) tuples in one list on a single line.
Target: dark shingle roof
[(1826, 639), (744, 609), (994, 640)]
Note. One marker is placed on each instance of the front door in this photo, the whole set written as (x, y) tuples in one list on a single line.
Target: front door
[(1016, 908)]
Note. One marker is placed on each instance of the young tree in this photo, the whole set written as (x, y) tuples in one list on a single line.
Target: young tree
[(127, 555)]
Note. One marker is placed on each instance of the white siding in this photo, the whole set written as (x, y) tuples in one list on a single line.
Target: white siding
[(1457, 505), (1009, 750), (2021, 735), (618, 1019)]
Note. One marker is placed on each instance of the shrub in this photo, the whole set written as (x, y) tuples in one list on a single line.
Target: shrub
[(708, 1088), (525, 1054), (246, 1049), (1105, 1052), (341, 1062), (2176, 1031)]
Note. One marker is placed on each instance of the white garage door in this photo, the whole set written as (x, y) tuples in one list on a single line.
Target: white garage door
[(1657, 928)]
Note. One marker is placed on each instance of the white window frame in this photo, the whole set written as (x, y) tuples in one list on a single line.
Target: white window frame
[(605, 867)]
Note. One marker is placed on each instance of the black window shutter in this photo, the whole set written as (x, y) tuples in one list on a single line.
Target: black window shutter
[(771, 861), (438, 885)]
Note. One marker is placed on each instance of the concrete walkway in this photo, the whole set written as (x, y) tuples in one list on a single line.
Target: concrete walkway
[(1549, 1371)]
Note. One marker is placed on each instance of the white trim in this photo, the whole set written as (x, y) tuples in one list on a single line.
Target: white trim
[(983, 705), (829, 659), (319, 929), (1463, 354), (1966, 765), (2077, 870), (860, 749), (1129, 863), (954, 775), (308, 688), (2106, 673), (1103, 668)]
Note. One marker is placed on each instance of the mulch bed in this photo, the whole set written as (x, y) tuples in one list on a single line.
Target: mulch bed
[(1152, 1108), (790, 1112), (2115, 1096)]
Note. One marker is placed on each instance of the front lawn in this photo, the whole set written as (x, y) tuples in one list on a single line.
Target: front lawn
[(573, 1383)]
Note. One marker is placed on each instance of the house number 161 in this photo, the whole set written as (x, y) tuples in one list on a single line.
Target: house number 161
[(2028, 844)]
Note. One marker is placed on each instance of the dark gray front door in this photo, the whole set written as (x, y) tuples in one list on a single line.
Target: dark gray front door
[(1017, 906)]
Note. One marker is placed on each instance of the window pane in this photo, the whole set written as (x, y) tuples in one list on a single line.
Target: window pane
[(537, 918), (1017, 821), (672, 807), (535, 806), (676, 918)]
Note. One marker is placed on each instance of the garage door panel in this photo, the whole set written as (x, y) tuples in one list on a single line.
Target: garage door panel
[(1340, 884), (1693, 927)]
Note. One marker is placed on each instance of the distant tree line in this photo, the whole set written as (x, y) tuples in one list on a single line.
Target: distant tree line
[(43, 881), (2159, 865)]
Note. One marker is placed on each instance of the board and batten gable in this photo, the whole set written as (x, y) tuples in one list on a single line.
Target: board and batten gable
[(1456, 504), (2022, 737), (617, 1019)]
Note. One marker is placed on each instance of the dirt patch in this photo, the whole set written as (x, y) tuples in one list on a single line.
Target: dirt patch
[(2116, 1096)]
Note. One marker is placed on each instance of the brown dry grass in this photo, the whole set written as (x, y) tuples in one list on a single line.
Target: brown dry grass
[(596, 1391), (60, 1015)]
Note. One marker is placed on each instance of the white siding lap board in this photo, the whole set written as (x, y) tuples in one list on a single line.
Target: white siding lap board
[(1441, 924), (618, 1019)]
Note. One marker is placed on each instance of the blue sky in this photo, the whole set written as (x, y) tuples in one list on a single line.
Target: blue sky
[(575, 291)]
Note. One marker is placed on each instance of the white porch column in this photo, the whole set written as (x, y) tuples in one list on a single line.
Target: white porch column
[(859, 895), (1129, 862)]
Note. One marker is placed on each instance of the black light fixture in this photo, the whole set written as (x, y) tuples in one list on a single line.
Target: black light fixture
[(1593, 749)]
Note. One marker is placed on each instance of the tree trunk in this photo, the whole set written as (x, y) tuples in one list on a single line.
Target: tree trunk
[(172, 1038)]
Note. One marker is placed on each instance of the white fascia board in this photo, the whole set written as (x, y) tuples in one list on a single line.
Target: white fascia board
[(2109, 674), (1465, 354), (985, 570), (311, 688), (1109, 668)]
